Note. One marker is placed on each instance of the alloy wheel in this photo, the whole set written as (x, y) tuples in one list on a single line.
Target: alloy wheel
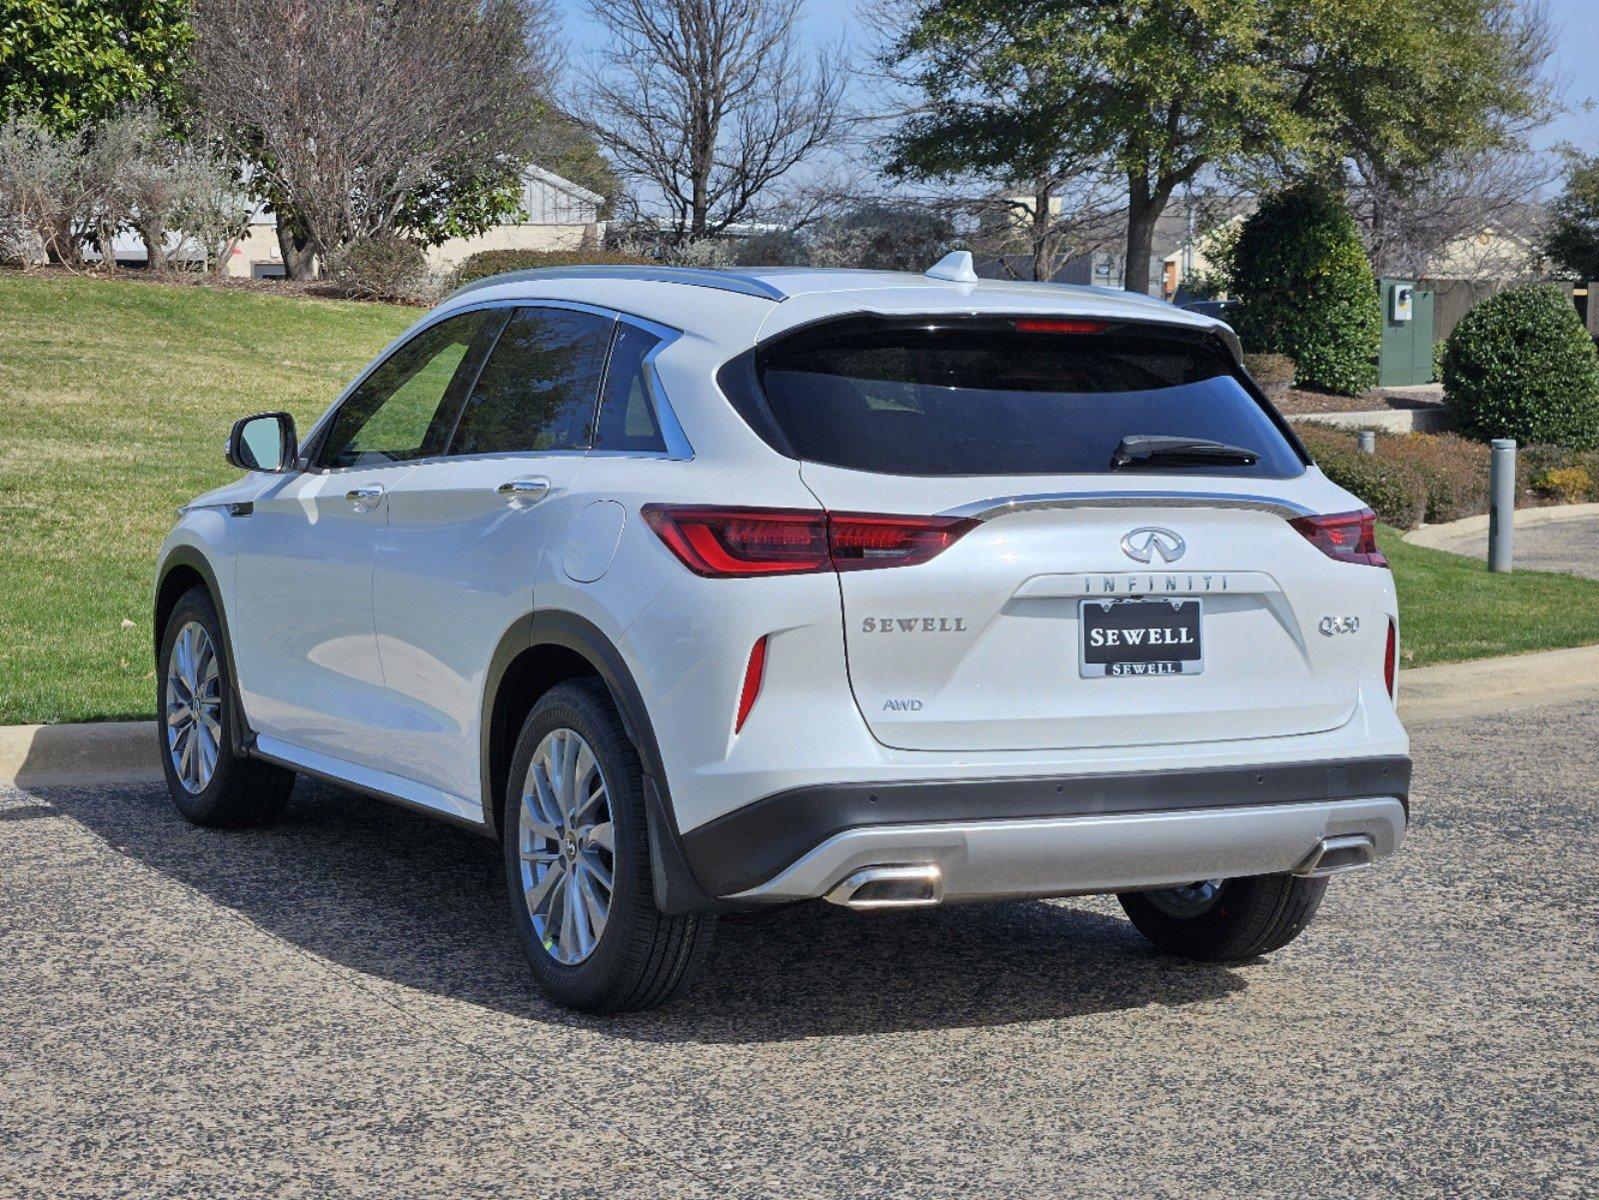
[(194, 708), (567, 846), (1187, 900)]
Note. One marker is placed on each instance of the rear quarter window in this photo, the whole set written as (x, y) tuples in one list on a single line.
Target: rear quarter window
[(980, 397)]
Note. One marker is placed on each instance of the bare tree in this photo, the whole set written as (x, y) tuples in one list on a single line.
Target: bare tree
[(1474, 216), (348, 110), (705, 103)]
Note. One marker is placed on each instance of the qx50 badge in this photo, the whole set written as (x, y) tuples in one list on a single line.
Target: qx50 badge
[(1147, 541)]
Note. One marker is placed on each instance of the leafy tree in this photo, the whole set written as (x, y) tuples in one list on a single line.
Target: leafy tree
[(1306, 289), (1573, 241), (73, 61), (1159, 91)]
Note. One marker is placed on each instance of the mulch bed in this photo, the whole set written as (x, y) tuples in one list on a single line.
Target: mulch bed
[(1294, 401)]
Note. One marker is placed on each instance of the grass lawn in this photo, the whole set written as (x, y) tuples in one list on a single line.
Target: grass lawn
[(1451, 608), (117, 398)]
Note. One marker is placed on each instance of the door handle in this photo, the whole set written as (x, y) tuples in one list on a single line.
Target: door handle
[(364, 499), (525, 491)]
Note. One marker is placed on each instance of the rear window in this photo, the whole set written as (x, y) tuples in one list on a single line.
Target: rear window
[(980, 397)]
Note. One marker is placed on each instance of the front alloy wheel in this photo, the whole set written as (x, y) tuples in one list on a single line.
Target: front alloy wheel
[(194, 708), (567, 847)]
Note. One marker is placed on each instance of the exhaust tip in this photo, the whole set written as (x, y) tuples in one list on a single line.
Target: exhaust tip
[(914, 886), (1336, 855)]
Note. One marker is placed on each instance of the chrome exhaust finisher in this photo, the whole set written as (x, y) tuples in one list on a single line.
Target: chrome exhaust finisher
[(1336, 855), (913, 886)]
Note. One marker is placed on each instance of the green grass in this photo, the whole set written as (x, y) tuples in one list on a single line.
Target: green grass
[(115, 399), (1451, 608)]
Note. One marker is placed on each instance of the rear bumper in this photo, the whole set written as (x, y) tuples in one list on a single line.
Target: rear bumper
[(1043, 836), (1062, 856)]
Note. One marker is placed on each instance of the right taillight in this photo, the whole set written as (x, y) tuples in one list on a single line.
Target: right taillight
[(729, 542), (1348, 537), (1390, 661)]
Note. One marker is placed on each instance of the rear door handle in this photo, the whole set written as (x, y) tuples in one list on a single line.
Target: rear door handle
[(364, 499), (525, 491)]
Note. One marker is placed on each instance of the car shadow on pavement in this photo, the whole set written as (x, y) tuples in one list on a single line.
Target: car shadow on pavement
[(400, 897)]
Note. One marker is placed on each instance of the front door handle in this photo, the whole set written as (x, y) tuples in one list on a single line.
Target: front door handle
[(525, 491), (364, 499)]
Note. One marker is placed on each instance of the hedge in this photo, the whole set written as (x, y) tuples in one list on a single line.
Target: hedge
[(1521, 365), (496, 262), (1306, 290)]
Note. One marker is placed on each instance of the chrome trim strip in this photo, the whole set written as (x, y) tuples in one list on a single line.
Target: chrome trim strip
[(722, 281), (678, 447), (1001, 505)]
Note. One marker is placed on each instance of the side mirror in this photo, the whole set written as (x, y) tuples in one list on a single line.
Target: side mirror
[(264, 442)]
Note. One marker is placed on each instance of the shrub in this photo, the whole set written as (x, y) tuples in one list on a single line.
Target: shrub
[(1273, 372), (1306, 290), (1568, 485), (496, 262), (1394, 492), (1453, 470), (1521, 365), (385, 267)]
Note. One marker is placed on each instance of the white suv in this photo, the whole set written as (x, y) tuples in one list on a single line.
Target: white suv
[(705, 590)]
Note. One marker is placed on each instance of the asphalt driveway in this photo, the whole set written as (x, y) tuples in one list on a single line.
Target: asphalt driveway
[(1570, 545), (336, 1007)]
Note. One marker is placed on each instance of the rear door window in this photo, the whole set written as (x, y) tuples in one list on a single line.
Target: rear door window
[(983, 397), (540, 385)]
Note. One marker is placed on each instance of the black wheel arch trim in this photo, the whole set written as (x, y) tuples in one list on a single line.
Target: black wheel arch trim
[(753, 844), (240, 736), (677, 889)]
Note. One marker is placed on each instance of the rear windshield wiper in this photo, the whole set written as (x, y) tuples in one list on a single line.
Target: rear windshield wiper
[(1153, 449)]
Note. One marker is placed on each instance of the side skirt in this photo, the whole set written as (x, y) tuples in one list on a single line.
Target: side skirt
[(394, 788)]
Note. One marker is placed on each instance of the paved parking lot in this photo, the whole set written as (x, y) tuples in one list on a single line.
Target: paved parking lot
[(336, 1008)]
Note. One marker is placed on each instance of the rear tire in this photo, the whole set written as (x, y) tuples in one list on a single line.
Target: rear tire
[(1226, 920), (577, 862), (209, 782)]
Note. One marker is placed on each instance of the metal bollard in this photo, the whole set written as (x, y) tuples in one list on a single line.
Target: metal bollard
[(1368, 441), (1502, 504)]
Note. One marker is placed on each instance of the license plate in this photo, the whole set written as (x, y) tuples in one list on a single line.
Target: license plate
[(1123, 638)]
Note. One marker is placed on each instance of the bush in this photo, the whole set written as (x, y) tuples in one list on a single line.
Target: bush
[(1306, 290), (1273, 372), (496, 262), (1521, 365), (1453, 470), (1397, 494), (385, 267), (1567, 485)]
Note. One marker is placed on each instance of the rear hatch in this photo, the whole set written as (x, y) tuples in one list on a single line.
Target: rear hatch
[(1168, 599)]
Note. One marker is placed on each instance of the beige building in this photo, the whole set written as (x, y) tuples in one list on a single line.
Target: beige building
[(556, 214)]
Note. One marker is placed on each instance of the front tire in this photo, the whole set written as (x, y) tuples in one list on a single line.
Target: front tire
[(210, 783), (1226, 920), (577, 861)]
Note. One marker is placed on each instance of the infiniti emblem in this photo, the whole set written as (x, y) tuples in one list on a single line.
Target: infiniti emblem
[(1145, 542)]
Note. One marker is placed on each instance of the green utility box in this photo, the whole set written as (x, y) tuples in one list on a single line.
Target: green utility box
[(1406, 356)]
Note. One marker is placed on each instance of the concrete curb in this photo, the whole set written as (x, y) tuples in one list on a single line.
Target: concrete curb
[(79, 755), (1439, 537), (1388, 420), (125, 751)]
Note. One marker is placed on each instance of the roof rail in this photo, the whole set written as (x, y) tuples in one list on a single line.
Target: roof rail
[(722, 281)]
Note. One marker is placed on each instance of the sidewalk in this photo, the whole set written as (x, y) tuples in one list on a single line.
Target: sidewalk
[(1563, 538)]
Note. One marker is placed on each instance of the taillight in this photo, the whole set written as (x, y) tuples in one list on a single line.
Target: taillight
[(1390, 661), (754, 672), (1057, 325), (721, 542), (1348, 537)]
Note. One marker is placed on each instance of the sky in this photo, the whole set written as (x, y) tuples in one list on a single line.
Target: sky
[(1576, 58)]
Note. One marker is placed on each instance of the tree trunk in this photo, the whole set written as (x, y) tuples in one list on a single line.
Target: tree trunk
[(298, 257), (154, 236), (1044, 264), (1142, 211)]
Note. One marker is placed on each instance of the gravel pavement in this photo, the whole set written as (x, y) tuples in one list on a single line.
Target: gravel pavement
[(336, 1008)]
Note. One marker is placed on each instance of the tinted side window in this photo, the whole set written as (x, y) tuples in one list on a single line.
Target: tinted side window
[(627, 413), (538, 389), (405, 408)]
